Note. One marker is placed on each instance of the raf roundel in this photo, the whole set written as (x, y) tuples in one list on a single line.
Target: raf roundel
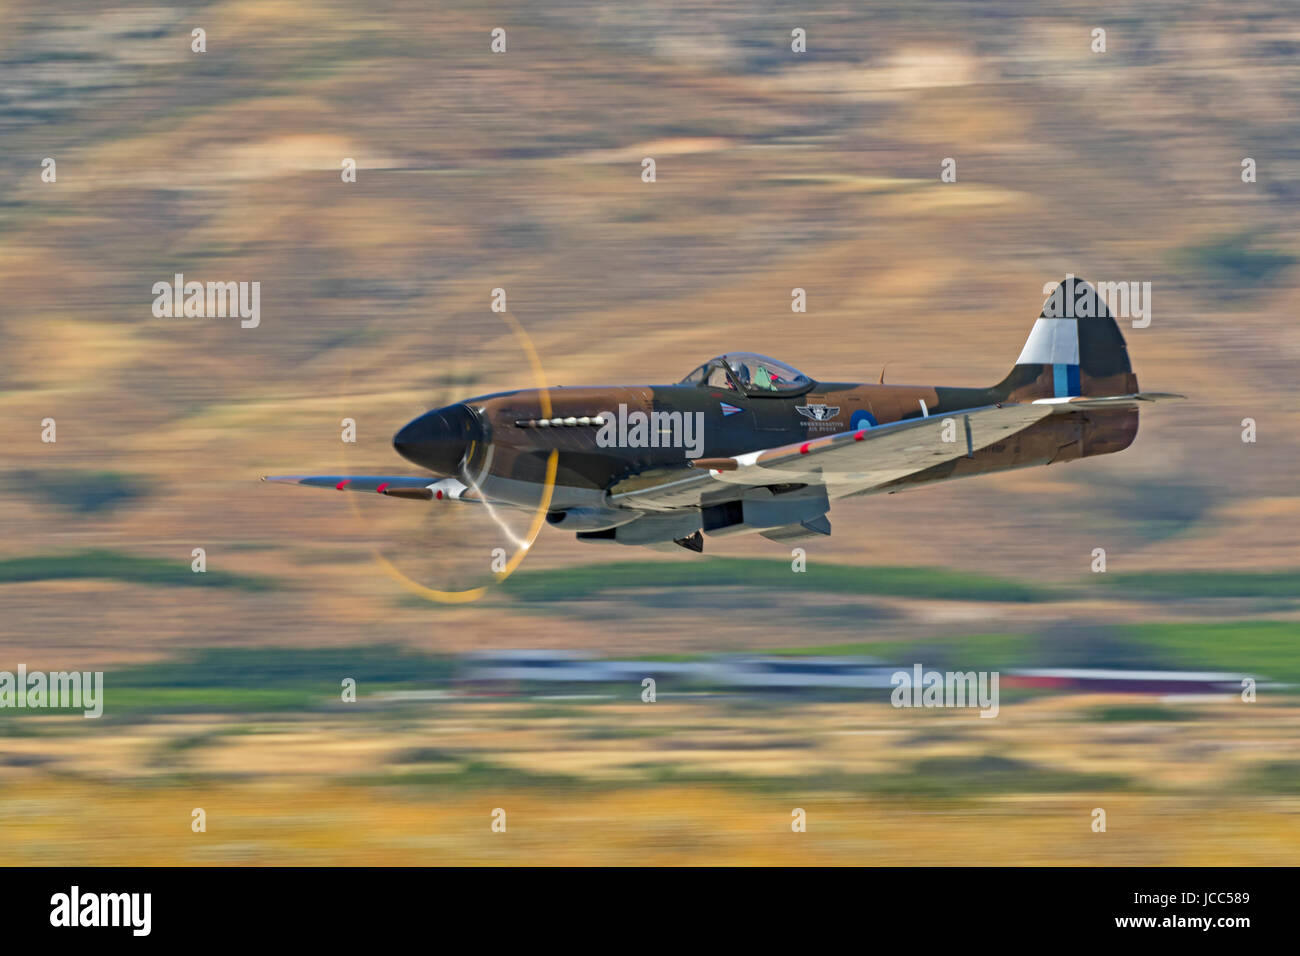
[(862, 419)]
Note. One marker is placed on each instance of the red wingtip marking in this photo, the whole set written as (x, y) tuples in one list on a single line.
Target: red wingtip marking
[(858, 436), (803, 449), (439, 495), (339, 486), (380, 489)]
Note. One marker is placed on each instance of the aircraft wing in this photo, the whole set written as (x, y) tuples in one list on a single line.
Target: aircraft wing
[(853, 462), (846, 463), (396, 486)]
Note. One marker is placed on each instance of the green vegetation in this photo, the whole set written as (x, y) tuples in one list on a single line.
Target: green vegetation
[(955, 776), (1281, 777), (284, 679), (577, 583), (989, 650), (943, 778), (173, 752), (128, 568), (482, 774), (608, 732), (265, 679), (137, 701), (1232, 261), (1150, 510), (1208, 584), (81, 492), (282, 667), (1140, 714), (1268, 649), (423, 755)]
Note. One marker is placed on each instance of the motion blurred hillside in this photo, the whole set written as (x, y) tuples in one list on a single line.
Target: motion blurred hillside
[(522, 171)]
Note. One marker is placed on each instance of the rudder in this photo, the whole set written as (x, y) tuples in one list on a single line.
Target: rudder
[(1074, 348)]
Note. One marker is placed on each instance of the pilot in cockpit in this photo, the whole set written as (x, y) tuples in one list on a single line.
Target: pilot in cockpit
[(759, 377), (754, 374)]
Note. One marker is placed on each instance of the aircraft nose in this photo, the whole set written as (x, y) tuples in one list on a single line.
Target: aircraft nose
[(439, 440)]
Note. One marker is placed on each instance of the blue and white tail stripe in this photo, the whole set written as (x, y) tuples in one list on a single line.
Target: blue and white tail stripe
[(1065, 380), (1055, 342)]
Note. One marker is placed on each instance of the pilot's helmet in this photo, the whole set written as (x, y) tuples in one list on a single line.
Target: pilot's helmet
[(742, 371)]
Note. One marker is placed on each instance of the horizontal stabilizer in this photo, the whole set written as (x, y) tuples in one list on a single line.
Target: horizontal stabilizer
[(1135, 400)]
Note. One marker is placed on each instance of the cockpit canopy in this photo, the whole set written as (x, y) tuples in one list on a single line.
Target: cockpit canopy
[(750, 373)]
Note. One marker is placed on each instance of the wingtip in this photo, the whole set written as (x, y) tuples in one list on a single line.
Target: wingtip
[(1160, 396)]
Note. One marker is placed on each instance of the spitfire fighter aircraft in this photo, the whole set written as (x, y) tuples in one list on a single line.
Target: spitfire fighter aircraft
[(745, 443)]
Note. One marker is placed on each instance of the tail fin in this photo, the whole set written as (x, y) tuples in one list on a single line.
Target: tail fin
[(1075, 348)]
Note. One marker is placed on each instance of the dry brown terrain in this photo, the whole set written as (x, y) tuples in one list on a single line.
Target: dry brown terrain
[(668, 783), (523, 171)]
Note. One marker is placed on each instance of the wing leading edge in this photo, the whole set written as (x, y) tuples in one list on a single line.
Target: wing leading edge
[(850, 462), (396, 486)]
